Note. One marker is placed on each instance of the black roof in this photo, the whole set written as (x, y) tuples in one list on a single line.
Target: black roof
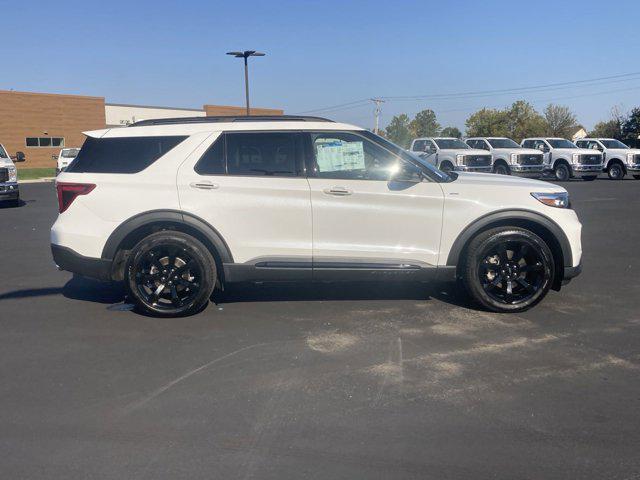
[(229, 119)]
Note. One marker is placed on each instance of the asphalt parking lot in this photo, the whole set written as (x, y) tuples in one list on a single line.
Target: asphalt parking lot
[(322, 381)]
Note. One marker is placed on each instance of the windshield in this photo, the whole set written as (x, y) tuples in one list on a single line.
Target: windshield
[(451, 144), (503, 143), (3, 153), (561, 143), (70, 153), (614, 144), (431, 171)]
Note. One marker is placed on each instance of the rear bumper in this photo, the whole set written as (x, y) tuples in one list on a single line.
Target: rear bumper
[(9, 191), (71, 261)]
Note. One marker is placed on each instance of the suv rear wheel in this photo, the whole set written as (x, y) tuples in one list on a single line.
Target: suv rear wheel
[(170, 274), (508, 269)]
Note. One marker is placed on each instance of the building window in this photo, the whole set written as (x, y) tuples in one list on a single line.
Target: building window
[(44, 142)]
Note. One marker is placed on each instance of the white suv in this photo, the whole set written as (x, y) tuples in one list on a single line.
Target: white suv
[(619, 158), (176, 208), (450, 154)]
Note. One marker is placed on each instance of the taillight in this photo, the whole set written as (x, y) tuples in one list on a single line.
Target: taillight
[(67, 193)]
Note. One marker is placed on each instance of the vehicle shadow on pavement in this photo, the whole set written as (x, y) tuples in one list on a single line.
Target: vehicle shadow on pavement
[(89, 290), (338, 291), (10, 204)]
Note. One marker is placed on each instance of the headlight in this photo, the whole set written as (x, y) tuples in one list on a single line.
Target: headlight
[(575, 157), (13, 174), (558, 200), (514, 158), (629, 157), (459, 159)]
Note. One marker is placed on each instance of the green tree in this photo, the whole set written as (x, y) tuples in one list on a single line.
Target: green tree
[(561, 122), (398, 130), (425, 124), (523, 121), (487, 122), (451, 132), (607, 129), (631, 127)]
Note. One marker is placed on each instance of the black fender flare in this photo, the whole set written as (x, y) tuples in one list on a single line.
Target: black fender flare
[(499, 217), (169, 216)]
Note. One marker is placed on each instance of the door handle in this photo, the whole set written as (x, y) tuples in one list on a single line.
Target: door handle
[(338, 191), (204, 185)]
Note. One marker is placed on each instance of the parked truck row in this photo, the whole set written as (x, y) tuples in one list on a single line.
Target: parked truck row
[(533, 157)]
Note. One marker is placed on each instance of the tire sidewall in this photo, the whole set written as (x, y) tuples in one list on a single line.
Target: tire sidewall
[(562, 177), (195, 249), (502, 170), (477, 253), (618, 170)]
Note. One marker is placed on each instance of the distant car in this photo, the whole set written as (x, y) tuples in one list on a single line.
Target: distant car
[(9, 190), (65, 157), (509, 158), (619, 158), (448, 154), (565, 159)]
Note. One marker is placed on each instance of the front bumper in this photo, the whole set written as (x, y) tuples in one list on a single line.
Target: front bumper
[(464, 168), (527, 170), (587, 168), (571, 272), (634, 167), (9, 191), (72, 261)]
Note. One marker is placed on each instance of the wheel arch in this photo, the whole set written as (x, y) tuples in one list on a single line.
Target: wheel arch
[(539, 224), (616, 160), (134, 229)]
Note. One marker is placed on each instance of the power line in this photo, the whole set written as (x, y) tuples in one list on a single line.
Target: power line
[(496, 92)]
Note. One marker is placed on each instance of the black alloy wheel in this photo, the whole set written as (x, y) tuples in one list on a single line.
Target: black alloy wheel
[(170, 274), (508, 269)]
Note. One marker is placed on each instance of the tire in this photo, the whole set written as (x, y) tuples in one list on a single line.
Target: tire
[(503, 283), (177, 262), (589, 178), (562, 172), (502, 169), (636, 177), (616, 171), (446, 167)]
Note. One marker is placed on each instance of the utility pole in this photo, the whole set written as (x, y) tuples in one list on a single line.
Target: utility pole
[(245, 55), (377, 101)]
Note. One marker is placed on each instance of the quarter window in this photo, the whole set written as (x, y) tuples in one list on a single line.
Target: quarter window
[(121, 155), (351, 157)]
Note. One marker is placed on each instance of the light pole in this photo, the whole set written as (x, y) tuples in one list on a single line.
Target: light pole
[(246, 54)]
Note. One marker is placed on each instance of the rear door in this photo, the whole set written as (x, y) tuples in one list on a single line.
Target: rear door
[(250, 186), (360, 215)]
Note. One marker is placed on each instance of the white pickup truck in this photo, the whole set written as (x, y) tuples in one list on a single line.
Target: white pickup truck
[(565, 159), (449, 154), (509, 158), (619, 158), (9, 190), (65, 157)]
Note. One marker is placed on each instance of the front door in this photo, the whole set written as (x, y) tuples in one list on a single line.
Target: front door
[(362, 216)]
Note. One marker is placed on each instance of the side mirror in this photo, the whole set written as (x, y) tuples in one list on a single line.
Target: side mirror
[(19, 157), (407, 173)]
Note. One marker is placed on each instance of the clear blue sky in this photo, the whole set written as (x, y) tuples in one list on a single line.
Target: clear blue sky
[(326, 53)]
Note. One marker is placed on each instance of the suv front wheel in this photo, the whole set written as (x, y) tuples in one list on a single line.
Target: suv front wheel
[(170, 274), (508, 269)]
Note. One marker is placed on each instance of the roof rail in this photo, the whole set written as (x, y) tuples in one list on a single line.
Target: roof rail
[(229, 119)]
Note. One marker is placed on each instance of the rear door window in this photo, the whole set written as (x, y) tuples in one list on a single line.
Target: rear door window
[(121, 155), (264, 153)]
